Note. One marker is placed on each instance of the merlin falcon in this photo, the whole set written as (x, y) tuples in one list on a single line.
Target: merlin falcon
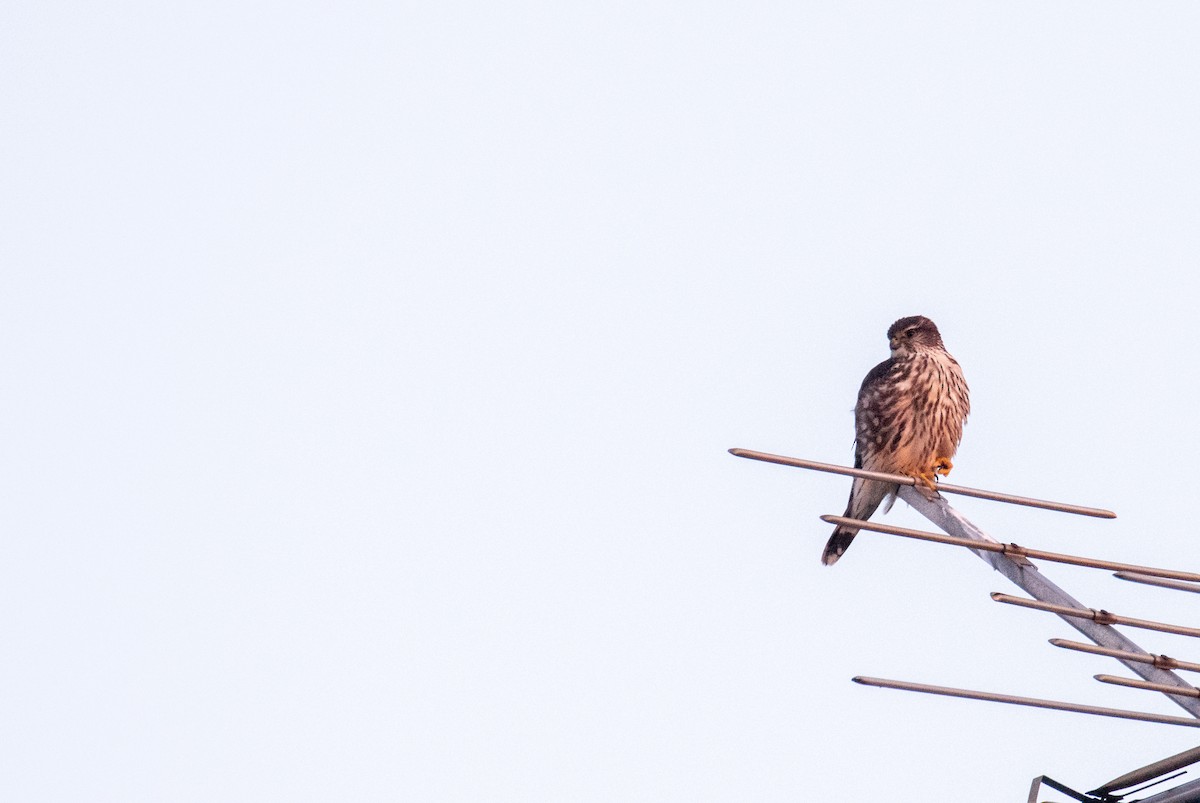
[(908, 420)]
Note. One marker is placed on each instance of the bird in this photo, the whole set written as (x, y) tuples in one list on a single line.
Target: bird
[(908, 420)]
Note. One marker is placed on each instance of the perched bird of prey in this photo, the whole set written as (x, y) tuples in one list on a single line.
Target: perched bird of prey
[(908, 420)]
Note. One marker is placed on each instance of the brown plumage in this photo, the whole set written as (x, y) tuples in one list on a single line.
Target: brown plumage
[(908, 420)]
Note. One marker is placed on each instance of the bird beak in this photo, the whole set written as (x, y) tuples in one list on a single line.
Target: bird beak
[(895, 343)]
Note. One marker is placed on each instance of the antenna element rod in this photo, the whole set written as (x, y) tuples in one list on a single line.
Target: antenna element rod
[(1033, 702), (901, 479)]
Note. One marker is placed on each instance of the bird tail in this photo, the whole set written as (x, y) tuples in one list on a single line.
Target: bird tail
[(865, 498), (837, 545)]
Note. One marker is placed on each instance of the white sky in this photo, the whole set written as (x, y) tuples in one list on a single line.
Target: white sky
[(369, 371)]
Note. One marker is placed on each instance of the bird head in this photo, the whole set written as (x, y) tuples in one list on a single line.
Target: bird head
[(910, 335)]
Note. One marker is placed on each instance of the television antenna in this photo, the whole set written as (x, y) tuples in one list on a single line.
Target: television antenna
[(1157, 673)]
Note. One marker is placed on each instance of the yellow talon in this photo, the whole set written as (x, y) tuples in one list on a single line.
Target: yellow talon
[(942, 465), (928, 479)]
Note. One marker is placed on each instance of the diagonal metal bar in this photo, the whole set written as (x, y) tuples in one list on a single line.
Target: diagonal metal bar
[(1026, 576)]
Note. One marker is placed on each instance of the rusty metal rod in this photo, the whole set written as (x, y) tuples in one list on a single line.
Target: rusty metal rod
[(1033, 702), (1134, 577), (1143, 684), (1101, 616), (1161, 661), (1008, 549), (901, 479)]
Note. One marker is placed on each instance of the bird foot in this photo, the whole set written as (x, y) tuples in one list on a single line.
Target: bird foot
[(926, 485), (942, 465)]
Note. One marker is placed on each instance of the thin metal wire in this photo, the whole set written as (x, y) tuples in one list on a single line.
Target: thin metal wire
[(1103, 617), (1184, 793), (1033, 702), (1133, 577), (1144, 787), (1150, 771), (1161, 661), (900, 479), (1008, 549), (1143, 684)]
